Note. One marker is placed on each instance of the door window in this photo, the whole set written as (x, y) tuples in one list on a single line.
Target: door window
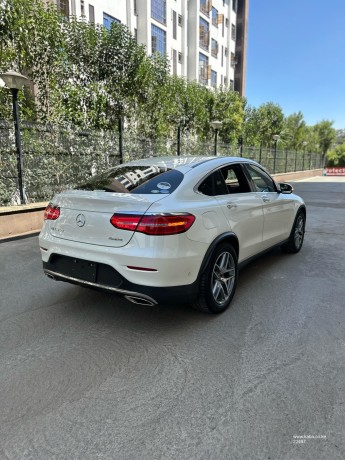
[(235, 179), (261, 180)]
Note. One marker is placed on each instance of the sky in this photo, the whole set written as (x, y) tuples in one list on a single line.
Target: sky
[(296, 57)]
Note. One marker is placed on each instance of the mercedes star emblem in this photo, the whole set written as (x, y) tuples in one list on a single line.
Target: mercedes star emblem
[(80, 219)]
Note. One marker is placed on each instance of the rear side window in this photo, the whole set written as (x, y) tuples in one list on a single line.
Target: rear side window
[(213, 185), (136, 179), (229, 179)]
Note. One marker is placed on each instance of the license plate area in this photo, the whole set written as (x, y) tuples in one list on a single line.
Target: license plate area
[(76, 268)]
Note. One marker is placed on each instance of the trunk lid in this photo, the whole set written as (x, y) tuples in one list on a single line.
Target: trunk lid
[(85, 216)]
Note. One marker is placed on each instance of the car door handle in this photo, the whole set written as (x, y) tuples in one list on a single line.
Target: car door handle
[(265, 198), (231, 205)]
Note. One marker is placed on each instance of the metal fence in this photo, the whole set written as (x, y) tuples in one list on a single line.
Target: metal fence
[(56, 158)]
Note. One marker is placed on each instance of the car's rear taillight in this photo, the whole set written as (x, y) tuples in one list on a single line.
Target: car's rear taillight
[(154, 224), (51, 212), (125, 221)]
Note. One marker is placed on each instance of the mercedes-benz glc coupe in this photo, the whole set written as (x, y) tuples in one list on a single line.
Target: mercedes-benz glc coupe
[(168, 228)]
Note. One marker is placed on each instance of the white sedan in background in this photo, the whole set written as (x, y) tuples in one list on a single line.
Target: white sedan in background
[(170, 228)]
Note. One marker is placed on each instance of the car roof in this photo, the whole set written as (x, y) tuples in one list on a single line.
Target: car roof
[(188, 161)]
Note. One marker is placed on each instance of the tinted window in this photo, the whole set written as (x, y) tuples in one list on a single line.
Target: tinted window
[(262, 181), (229, 179), (136, 179), (213, 185), (235, 179)]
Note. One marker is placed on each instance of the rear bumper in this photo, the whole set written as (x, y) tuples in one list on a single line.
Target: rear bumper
[(107, 279), (147, 262)]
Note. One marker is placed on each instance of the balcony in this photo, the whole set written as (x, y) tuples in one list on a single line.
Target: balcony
[(206, 6)]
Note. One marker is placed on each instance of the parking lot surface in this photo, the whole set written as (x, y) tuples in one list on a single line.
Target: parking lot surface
[(87, 375)]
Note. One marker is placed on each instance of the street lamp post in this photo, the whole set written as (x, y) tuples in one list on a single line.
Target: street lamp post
[(276, 139), (216, 125), (120, 127), (178, 140), (14, 81)]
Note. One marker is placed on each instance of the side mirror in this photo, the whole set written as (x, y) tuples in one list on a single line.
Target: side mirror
[(285, 188)]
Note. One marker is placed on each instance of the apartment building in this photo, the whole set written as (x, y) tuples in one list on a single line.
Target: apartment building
[(205, 40)]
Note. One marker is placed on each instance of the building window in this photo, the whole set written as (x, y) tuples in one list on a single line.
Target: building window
[(226, 52), (232, 85), (233, 60), (226, 22), (222, 57), (91, 14), (158, 10), (63, 7), (234, 5), (233, 32), (180, 58), (158, 40), (214, 17), (174, 25), (108, 20), (225, 81), (206, 6), (135, 9), (180, 20), (203, 69), (214, 47), (82, 8), (213, 78), (204, 34)]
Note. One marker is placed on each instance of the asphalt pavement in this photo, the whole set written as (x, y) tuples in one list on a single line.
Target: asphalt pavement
[(87, 375)]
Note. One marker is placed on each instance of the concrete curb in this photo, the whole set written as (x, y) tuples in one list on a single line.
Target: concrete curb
[(22, 221)]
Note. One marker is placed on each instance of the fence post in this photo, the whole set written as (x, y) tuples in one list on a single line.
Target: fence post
[(309, 161), (120, 139), (260, 153), (275, 159), (296, 160), (179, 141), (240, 140), (286, 159), (14, 92)]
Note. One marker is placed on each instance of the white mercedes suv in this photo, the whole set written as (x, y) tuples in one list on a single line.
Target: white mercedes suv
[(168, 228)]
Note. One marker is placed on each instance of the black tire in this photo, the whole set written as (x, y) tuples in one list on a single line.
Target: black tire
[(296, 237), (218, 281)]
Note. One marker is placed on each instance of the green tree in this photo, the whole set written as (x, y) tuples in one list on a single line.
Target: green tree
[(340, 136), (326, 135), (32, 41), (336, 156), (293, 133), (262, 123), (229, 108)]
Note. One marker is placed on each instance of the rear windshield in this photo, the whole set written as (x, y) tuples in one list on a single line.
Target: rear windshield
[(135, 179)]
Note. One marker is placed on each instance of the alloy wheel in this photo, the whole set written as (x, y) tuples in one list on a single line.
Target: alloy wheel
[(223, 277), (299, 231)]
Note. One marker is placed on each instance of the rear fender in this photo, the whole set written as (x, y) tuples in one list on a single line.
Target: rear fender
[(228, 237)]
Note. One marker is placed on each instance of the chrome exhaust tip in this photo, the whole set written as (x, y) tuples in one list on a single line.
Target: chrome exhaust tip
[(139, 300)]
